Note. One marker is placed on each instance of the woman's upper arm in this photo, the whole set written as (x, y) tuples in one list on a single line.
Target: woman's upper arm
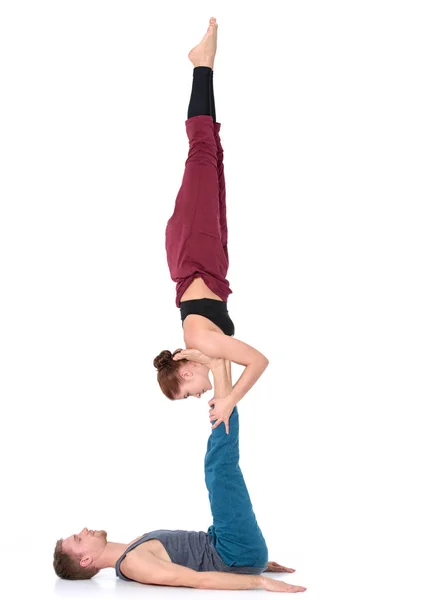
[(218, 345)]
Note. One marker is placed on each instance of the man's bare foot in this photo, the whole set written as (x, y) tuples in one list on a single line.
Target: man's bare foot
[(203, 54)]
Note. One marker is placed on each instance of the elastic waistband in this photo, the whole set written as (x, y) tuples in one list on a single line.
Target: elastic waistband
[(218, 304)]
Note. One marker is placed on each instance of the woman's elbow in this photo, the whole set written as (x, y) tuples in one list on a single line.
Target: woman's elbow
[(263, 361)]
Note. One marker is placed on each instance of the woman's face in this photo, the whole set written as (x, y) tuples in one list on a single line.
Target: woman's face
[(194, 380)]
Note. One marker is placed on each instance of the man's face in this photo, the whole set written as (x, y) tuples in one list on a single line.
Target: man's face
[(88, 544)]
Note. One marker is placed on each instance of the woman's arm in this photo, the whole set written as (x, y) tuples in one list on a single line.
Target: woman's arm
[(222, 380), (218, 345)]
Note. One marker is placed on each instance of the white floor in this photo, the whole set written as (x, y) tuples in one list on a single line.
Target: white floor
[(29, 575), (37, 580), (37, 583)]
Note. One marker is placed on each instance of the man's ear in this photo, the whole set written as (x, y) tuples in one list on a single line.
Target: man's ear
[(86, 561)]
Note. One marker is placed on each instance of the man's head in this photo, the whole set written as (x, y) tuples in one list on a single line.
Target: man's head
[(179, 379), (76, 557)]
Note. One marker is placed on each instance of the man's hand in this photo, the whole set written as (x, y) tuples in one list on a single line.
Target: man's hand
[(275, 585), (274, 567), (197, 357), (221, 409)]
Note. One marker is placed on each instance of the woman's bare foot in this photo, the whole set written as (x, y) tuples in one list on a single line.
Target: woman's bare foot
[(203, 54)]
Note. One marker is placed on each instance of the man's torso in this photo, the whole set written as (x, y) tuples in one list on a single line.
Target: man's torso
[(192, 549)]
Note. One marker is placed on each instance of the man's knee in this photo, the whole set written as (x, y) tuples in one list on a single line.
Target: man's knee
[(262, 559), (260, 551)]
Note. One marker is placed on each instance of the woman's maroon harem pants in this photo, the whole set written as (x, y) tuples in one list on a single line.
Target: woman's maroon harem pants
[(196, 233)]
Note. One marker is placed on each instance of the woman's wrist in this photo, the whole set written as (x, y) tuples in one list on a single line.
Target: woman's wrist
[(233, 397)]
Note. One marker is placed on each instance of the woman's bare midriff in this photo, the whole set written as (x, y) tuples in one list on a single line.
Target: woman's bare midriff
[(198, 289)]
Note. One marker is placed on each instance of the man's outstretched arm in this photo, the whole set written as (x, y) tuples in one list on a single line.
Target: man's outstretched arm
[(155, 571)]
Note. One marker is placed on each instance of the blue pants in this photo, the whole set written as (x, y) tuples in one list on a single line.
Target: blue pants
[(235, 532)]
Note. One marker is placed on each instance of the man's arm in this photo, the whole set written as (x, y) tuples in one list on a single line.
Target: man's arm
[(155, 571)]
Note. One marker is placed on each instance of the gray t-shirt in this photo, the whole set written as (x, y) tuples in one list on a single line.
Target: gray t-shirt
[(192, 549)]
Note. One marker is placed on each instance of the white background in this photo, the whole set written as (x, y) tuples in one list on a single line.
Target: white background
[(323, 108)]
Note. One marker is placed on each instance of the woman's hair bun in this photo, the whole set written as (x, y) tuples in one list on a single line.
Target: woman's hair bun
[(163, 359)]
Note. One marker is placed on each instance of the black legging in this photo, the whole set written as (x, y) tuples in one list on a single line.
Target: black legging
[(202, 96)]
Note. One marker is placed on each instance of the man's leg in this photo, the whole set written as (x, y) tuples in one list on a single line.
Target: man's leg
[(235, 531)]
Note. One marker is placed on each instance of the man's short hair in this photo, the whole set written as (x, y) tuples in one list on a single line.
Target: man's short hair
[(68, 567)]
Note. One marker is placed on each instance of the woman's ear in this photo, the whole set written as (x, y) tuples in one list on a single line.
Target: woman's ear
[(186, 372)]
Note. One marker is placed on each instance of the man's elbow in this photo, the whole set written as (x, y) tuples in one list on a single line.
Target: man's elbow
[(205, 581), (197, 581), (202, 584)]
